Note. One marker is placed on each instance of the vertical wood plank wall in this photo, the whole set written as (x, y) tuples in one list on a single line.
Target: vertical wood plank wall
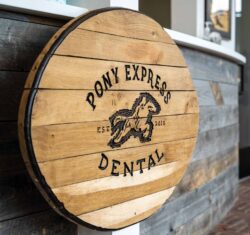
[(205, 194)]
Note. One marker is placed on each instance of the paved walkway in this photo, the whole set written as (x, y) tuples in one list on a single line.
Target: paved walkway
[(237, 222)]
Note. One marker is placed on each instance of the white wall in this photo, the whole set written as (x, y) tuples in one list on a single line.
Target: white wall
[(95, 4), (187, 16), (183, 16), (131, 4), (231, 43), (90, 4)]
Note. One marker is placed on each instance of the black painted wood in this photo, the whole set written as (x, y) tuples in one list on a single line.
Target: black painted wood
[(11, 87), (21, 42), (19, 197), (47, 222), (24, 17)]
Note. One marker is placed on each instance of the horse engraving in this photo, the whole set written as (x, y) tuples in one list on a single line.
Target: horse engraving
[(136, 122)]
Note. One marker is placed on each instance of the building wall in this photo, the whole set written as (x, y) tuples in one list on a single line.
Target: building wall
[(189, 17), (89, 4), (23, 211), (205, 194), (209, 187), (160, 10)]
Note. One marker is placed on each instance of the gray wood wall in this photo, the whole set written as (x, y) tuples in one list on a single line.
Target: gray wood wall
[(205, 194), (209, 187)]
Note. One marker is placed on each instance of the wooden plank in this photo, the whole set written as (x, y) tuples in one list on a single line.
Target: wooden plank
[(59, 141), (19, 198), (115, 190), (18, 46), (76, 71), (202, 171), (205, 94), (214, 141), (204, 222), (215, 87), (67, 106), (230, 94), (187, 207), (11, 87), (56, 173), (210, 68), (112, 218), (123, 49), (212, 199), (158, 223), (214, 117), (10, 156), (47, 222), (24, 17), (127, 24)]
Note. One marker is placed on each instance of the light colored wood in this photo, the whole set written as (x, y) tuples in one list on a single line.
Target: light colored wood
[(57, 174), (115, 190), (155, 113), (215, 87), (139, 208), (60, 141), (67, 106), (71, 76), (109, 47), (127, 24)]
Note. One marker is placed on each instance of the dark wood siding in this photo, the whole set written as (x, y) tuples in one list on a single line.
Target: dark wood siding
[(23, 209)]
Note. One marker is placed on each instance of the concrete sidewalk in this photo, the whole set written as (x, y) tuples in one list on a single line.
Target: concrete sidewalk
[(237, 222)]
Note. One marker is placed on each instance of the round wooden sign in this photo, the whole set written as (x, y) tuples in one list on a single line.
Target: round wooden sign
[(108, 118)]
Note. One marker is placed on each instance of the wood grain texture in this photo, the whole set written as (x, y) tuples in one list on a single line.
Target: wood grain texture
[(206, 220), (135, 77), (29, 18), (117, 190), (189, 206), (68, 107), (57, 174), (215, 141), (123, 49), (127, 24), (202, 171), (215, 148), (17, 39), (71, 76), (60, 141), (210, 67), (217, 93), (214, 117), (111, 218), (46, 222)]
